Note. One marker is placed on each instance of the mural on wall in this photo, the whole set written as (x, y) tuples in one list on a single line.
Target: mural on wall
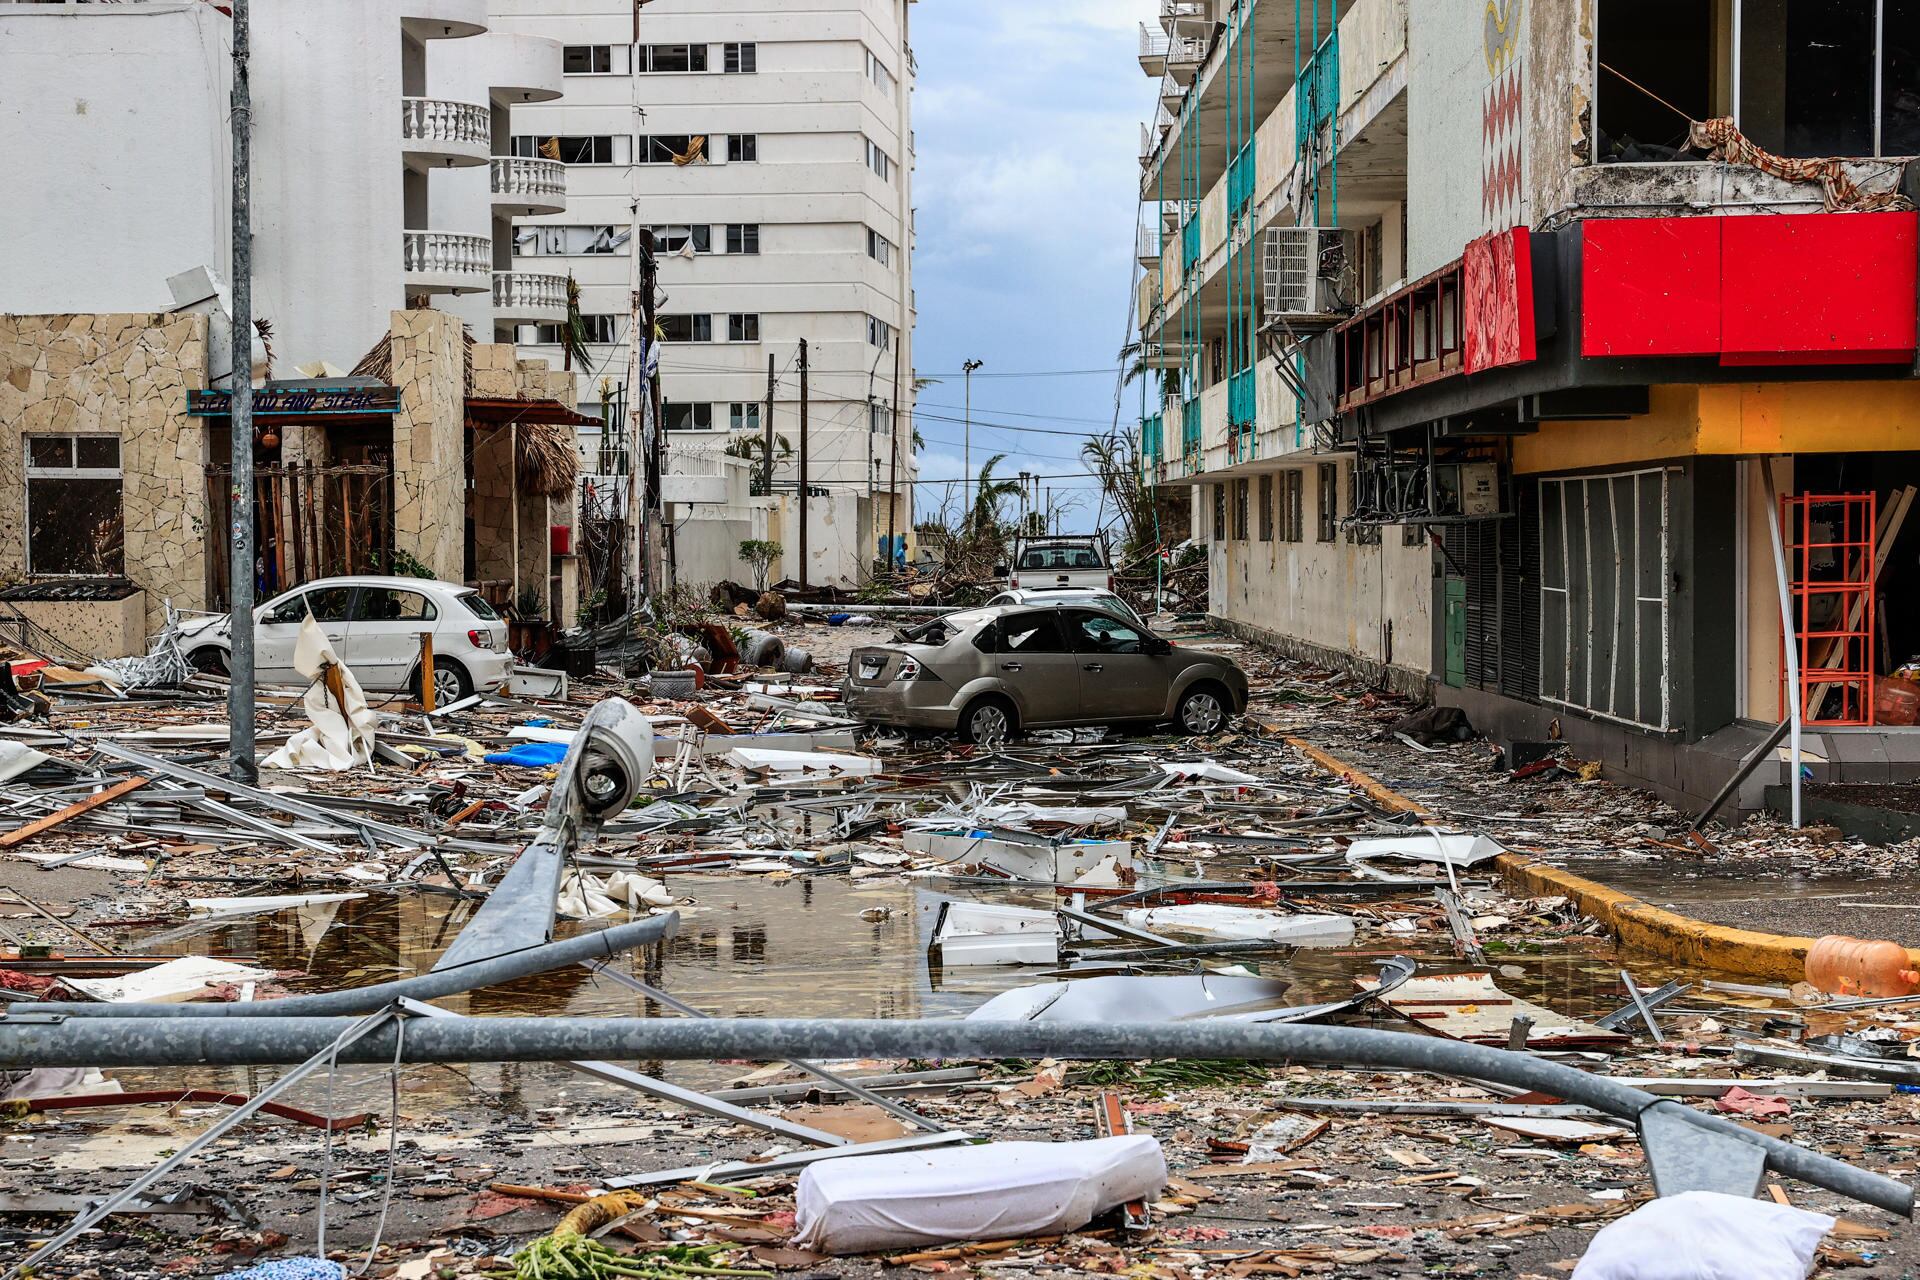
[(1502, 155)]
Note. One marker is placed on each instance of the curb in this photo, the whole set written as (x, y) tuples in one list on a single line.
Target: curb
[(1634, 923)]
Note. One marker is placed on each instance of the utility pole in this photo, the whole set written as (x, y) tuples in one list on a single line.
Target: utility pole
[(766, 462), (803, 463), (893, 457), (641, 271), (966, 457), (240, 506)]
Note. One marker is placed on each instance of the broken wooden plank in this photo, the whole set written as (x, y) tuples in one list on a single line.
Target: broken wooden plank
[(20, 835)]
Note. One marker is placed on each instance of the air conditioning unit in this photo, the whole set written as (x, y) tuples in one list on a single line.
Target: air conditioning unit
[(1306, 276)]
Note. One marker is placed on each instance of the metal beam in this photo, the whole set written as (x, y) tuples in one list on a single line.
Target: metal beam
[(35, 1039)]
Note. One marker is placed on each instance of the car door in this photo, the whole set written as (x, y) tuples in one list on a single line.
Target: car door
[(383, 641), (277, 629), (1033, 658), (1119, 679)]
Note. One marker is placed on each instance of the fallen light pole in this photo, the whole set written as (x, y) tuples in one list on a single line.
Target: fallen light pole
[(1686, 1149)]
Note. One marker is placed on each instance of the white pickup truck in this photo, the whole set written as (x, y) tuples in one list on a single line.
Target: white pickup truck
[(1040, 563)]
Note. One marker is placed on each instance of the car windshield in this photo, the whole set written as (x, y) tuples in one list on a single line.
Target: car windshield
[(476, 604), (1040, 558)]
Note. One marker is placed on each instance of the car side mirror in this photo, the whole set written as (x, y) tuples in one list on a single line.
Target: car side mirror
[(1154, 646)]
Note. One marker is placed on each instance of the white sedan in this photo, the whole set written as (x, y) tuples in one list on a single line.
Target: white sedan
[(375, 625)]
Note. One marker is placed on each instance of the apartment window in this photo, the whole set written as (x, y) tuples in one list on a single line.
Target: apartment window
[(672, 239), (879, 334), (686, 328), (879, 419), (743, 328), (665, 58), (1266, 508), (1329, 502), (878, 73), (743, 417), (879, 248), (673, 148), (75, 523), (599, 328), (686, 417), (1604, 574), (743, 237), (1814, 77), (1293, 506), (569, 241), (741, 59), (743, 147), (597, 59), (879, 161), (1241, 499), (575, 148), (1219, 513)]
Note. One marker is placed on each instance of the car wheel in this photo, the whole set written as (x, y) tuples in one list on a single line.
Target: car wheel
[(988, 722), (1202, 711), (209, 661), (450, 682)]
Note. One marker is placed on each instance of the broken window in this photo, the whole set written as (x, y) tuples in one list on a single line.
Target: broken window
[(1240, 488), (1266, 508), (75, 524), (1032, 633), (1653, 53), (1219, 513), (1329, 502), (1604, 570)]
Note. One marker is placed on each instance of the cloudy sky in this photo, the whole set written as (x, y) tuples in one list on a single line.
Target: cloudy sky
[(1027, 122)]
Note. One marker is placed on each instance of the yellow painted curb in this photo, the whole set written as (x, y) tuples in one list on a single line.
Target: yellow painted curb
[(1634, 923)]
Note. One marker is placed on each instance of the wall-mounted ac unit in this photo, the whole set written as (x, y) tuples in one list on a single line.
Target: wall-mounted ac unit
[(1306, 275)]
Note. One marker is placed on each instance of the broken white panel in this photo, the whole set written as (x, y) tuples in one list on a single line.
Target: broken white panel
[(996, 1191), (752, 758), (808, 740), (255, 906), (980, 933), (339, 737), (1441, 848), (1206, 771), (92, 862), (169, 983), (536, 682), (1709, 1235), (1556, 1129), (1016, 815), (1039, 860), (1123, 998), (17, 758), (1248, 924), (589, 897), (57, 1082)]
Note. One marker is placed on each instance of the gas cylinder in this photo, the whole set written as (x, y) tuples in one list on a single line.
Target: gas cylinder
[(1843, 966)]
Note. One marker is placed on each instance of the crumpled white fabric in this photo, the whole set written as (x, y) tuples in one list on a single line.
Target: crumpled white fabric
[(333, 741), (997, 1191), (590, 897), (1704, 1235)]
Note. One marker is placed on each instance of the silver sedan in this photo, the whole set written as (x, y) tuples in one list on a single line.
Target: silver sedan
[(990, 673)]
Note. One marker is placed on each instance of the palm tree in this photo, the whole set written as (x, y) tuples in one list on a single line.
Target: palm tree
[(573, 332), (988, 495)]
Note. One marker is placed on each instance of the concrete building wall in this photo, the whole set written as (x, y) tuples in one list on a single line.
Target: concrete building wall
[(125, 376)]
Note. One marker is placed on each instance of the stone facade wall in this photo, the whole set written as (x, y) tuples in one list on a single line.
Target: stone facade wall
[(429, 441), (124, 375)]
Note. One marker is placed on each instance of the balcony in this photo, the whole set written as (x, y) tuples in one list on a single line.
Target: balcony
[(1153, 51), (1184, 56), (696, 475), (1185, 17), (436, 132), (1172, 94), (523, 187), (447, 262), (1146, 244), (527, 297), (443, 19)]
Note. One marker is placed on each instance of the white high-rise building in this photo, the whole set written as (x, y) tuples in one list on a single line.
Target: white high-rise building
[(769, 148)]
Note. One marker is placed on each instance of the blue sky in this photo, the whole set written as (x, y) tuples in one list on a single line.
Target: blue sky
[(1027, 123)]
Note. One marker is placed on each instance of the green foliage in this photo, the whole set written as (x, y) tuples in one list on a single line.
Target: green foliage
[(759, 555)]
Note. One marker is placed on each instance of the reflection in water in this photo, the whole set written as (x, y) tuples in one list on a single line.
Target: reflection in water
[(797, 947)]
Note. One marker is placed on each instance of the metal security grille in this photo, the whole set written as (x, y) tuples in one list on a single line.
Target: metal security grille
[(1605, 606)]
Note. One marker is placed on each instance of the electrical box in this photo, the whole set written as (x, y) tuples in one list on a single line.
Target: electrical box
[(1467, 490)]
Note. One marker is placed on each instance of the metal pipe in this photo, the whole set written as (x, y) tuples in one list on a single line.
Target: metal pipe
[(428, 986), (1796, 713), (35, 1039)]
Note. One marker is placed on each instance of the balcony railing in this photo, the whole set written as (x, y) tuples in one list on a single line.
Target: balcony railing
[(1190, 243), (1242, 399), (1317, 97), (536, 181), (528, 291), (1240, 180), (1146, 243), (449, 253), (1153, 44), (1185, 51), (438, 120)]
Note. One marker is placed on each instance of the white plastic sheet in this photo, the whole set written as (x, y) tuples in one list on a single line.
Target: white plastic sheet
[(999, 1191), (1218, 920), (801, 761), (1704, 1235), (169, 983), (339, 737), (589, 897)]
